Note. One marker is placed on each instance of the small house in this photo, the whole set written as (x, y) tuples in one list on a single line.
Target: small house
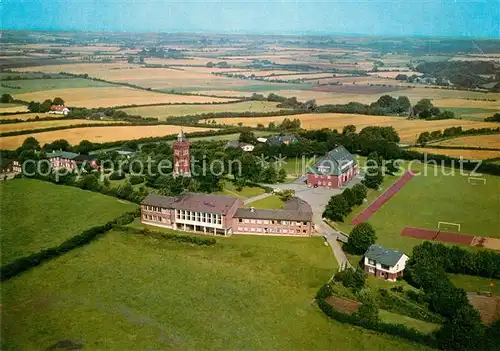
[(384, 263)]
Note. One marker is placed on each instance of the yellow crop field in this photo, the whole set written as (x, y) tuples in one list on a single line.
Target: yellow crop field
[(408, 129), (9, 108), (486, 141), (14, 127), (165, 111), (25, 116), (113, 96), (471, 103), (98, 134), (465, 154)]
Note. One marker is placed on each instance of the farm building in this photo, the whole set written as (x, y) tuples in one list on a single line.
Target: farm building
[(278, 140), (59, 110), (235, 144), (223, 215), (10, 167), (334, 170), (70, 160), (384, 263)]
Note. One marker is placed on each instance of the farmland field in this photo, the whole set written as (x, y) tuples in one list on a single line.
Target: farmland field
[(432, 197), (465, 154), (486, 141), (98, 134), (48, 85), (25, 116), (113, 96), (14, 127), (128, 292), (408, 129), (4, 108), (162, 112), (22, 235)]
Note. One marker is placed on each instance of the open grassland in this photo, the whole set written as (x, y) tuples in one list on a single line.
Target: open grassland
[(475, 113), (474, 284), (394, 318), (37, 215), (245, 192), (429, 198), (51, 86), (271, 202), (25, 116), (408, 129), (465, 154), (14, 127), (6, 108), (114, 96), (486, 141), (131, 292), (97, 134), (162, 112)]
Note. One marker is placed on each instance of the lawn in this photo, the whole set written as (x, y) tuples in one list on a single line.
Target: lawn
[(37, 215), (164, 111), (297, 166), (127, 292), (245, 193), (473, 283), (271, 202)]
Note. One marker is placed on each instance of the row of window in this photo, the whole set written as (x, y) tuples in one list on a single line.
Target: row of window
[(156, 209), (373, 263), (156, 218), (272, 230), (198, 217), (265, 221)]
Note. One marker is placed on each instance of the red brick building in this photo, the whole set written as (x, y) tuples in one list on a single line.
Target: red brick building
[(384, 263), (182, 158), (70, 160), (334, 170)]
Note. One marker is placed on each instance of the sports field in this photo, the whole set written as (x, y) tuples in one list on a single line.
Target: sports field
[(97, 134), (113, 96), (56, 213), (14, 127), (485, 141), (408, 129), (427, 199), (465, 154), (131, 292), (162, 112)]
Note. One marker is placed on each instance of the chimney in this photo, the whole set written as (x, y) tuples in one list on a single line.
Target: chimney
[(252, 209)]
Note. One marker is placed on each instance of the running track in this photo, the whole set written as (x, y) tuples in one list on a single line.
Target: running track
[(382, 199), (432, 234)]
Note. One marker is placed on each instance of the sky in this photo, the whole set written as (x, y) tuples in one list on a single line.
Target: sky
[(451, 18)]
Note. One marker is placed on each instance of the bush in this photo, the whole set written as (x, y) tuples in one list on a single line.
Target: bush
[(351, 278), (116, 175), (169, 236), (361, 238), (136, 179)]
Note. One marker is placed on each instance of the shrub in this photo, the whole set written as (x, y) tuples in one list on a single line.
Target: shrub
[(351, 278), (136, 179), (360, 238), (117, 175)]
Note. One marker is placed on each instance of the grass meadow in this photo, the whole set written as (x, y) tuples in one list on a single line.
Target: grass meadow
[(271, 202), (42, 85), (125, 292), (37, 215)]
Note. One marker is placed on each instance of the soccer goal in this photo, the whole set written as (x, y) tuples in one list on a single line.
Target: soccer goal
[(476, 181), (448, 227)]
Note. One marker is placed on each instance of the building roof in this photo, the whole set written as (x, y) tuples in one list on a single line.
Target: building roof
[(297, 204), (181, 136), (233, 144), (192, 202), (280, 139), (63, 154), (58, 108), (286, 215), (334, 162), (382, 255)]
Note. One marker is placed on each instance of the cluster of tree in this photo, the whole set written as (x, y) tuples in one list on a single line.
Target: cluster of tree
[(221, 64), (385, 105), (427, 269), (362, 236), (465, 74), (453, 132), (6, 99), (44, 106), (426, 110), (341, 205), (351, 278), (162, 53), (494, 118)]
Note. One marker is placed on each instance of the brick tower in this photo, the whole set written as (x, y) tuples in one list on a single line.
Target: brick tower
[(182, 158)]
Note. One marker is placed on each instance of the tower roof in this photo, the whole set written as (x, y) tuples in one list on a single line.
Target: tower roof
[(181, 136)]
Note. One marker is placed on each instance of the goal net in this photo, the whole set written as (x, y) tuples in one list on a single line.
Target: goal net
[(448, 227), (476, 181)]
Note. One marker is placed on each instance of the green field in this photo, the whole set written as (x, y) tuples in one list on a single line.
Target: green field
[(474, 284), (37, 215), (394, 318), (127, 292), (163, 111), (28, 86), (245, 193), (471, 112), (271, 202)]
